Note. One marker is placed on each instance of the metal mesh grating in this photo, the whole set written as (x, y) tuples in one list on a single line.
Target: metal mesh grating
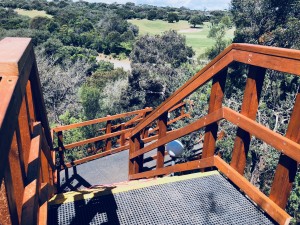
[(205, 200)]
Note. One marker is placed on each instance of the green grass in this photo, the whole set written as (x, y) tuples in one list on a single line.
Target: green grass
[(32, 13), (196, 38)]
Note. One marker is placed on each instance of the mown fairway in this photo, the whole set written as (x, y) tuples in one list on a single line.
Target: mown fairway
[(32, 13), (195, 37)]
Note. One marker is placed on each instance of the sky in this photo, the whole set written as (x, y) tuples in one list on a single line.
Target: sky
[(191, 4)]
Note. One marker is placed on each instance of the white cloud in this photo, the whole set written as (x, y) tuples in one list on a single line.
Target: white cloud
[(192, 4)]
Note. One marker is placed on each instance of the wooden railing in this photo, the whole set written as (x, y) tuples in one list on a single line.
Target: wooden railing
[(119, 131), (27, 170), (259, 58)]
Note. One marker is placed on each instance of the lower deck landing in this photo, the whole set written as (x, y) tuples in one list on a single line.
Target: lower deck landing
[(202, 198)]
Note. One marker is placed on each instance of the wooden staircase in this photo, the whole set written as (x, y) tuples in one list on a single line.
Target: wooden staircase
[(28, 172)]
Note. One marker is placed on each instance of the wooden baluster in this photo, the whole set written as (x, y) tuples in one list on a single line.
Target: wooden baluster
[(16, 174), (61, 149), (215, 103), (108, 131), (145, 131), (136, 164), (40, 110), (122, 136), (250, 103), (10, 194), (30, 106), (287, 167), (182, 110), (162, 132), (24, 132)]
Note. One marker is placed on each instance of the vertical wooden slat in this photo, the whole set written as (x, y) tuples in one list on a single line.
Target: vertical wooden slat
[(162, 132), (287, 167), (44, 169), (40, 110), (24, 130), (43, 201), (135, 164), (4, 208), (250, 103), (61, 149), (11, 200), (30, 105), (182, 110), (122, 136), (31, 193), (17, 185), (108, 131), (215, 103)]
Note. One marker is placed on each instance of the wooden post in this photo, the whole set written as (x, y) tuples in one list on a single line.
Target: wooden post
[(215, 103), (10, 192), (135, 164), (250, 103), (122, 136), (16, 174), (287, 167), (145, 131), (108, 131), (182, 110), (162, 132), (61, 149)]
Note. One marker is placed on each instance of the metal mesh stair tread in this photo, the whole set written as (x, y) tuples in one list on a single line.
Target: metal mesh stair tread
[(202, 198)]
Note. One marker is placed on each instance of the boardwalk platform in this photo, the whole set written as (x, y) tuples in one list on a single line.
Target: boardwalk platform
[(200, 198)]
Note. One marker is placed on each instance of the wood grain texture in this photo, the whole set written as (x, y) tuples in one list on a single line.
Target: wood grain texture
[(215, 103), (287, 167), (250, 104), (16, 173), (13, 54), (162, 132), (282, 144)]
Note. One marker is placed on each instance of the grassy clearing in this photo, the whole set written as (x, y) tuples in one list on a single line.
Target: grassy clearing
[(32, 13), (197, 38)]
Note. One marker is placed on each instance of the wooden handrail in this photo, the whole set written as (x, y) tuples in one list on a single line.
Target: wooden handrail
[(279, 142), (284, 60), (100, 120), (26, 159), (259, 58)]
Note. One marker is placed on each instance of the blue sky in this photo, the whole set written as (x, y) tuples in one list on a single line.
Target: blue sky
[(192, 4)]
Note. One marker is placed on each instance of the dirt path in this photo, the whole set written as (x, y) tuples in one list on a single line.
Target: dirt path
[(124, 63)]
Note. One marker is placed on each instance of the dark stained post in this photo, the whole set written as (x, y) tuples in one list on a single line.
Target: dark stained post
[(287, 167), (182, 110), (250, 103), (108, 131), (135, 164), (215, 103), (61, 149), (162, 132)]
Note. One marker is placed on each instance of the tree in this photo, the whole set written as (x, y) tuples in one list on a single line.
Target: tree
[(151, 15), (60, 84), (197, 20), (172, 17), (157, 69)]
